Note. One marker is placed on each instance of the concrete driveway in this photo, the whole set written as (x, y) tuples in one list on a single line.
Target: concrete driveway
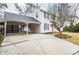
[(37, 44)]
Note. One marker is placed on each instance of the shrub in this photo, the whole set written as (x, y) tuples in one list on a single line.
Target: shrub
[(1, 39), (77, 27), (65, 28), (72, 28)]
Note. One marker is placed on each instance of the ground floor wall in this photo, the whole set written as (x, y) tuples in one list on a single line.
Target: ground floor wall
[(16, 27), (32, 28)]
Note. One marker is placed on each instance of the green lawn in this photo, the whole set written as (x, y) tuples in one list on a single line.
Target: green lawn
[(74, 37)]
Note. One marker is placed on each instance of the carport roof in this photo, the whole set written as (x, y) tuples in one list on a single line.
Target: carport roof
[(20, 18)]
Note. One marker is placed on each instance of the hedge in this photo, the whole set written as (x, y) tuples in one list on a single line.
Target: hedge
[(72, 28)]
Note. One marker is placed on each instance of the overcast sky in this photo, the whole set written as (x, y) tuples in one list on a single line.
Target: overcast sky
[(44, 6), (11, 6)]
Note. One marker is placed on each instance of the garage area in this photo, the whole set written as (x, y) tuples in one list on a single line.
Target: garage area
[(14, 23), (34, 28)]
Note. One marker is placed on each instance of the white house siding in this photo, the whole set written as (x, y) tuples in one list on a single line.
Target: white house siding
[(11, 8), (43, 21)]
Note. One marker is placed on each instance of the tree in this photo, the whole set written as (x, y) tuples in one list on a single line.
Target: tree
[(59, 15), (73, 15), (18, 8), (29, 8), (2, 6)]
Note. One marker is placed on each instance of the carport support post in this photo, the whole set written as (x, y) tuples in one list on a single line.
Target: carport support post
[(27, 28), (5, 23)]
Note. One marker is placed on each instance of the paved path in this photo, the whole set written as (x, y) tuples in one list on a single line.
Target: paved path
[(37, 44)]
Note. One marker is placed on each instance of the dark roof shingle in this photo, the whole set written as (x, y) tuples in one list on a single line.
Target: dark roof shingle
[(16, 17)]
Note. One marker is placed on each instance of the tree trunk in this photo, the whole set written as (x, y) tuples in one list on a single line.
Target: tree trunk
[(60, 32)]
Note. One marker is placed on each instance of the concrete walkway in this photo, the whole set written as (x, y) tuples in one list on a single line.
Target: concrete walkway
[(37, 44)]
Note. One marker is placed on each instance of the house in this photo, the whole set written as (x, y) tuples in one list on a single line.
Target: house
[(38, 21)]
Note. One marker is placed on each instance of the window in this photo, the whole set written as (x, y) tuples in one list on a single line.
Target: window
[(46, 26), (44, 15), (48, 16), (36, 15)]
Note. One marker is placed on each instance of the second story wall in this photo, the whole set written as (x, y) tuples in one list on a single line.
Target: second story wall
[(39, 14)]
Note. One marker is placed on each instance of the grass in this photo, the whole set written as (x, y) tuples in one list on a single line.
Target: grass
[(74, 37), (69, 36)]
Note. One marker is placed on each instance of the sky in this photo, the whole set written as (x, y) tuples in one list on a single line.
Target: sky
[(43, 6)]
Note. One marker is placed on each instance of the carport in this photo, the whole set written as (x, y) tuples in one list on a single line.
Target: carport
[(19, 21)]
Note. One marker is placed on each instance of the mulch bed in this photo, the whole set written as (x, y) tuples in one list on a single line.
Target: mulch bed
[(62, 36)]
